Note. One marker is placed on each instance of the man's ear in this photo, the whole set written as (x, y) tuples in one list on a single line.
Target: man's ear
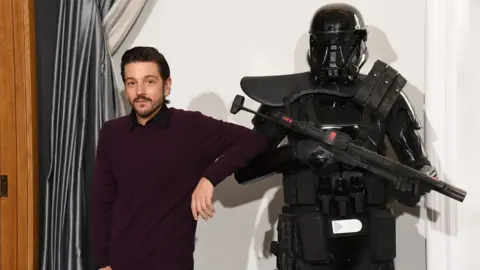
[(168, 86)]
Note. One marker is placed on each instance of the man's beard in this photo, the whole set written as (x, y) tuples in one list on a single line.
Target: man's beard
[(146, 113)]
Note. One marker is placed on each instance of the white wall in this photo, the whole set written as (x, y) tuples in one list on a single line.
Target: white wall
[(212, 44)]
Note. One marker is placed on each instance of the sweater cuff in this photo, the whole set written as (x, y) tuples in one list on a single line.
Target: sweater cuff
[(215, 174)]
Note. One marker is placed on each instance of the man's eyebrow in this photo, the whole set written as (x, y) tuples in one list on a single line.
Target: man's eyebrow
[(146, 76)]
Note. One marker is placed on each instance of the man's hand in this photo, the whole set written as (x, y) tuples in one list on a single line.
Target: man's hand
[(106, 268), (202, 200)]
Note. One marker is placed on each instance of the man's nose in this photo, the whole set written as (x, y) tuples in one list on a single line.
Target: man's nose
[(141, 89)]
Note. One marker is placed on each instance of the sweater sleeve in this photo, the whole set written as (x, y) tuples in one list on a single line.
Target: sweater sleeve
[(233, 146), (103, 198)]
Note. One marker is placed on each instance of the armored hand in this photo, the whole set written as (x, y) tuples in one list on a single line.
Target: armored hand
[(423, 189), (429, 170), (411, 191)]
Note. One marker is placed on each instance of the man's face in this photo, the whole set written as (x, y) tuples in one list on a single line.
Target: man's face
[(144, 87)]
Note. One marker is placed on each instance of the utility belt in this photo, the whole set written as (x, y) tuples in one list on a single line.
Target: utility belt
[(349, 204), (305, 236)]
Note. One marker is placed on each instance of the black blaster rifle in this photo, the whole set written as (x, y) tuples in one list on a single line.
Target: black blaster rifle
[(340, 145)]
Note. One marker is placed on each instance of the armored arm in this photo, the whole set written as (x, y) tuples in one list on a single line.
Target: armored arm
[(402, 129), (275, 158)]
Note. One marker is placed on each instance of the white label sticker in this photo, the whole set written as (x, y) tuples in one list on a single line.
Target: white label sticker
[(346, 226)]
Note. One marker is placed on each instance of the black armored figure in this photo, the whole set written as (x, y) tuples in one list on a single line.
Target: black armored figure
[(336, 216)]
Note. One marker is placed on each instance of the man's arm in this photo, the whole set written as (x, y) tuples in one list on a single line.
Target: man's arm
[(104, 191), (275, 158), (230, 147), (233, 146), (402, 133)]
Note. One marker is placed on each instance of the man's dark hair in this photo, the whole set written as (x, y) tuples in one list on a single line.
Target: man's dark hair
[(146, 54)]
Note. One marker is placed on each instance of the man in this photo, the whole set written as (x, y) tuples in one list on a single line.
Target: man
[(156, 170)]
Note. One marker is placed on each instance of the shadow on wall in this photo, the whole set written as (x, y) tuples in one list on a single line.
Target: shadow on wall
[(230, 194)]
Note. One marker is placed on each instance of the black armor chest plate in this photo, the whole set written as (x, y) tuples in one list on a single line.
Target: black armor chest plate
[(337, 114), (333, 112)]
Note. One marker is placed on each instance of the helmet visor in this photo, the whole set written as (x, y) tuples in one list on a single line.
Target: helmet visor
[(334, 53)]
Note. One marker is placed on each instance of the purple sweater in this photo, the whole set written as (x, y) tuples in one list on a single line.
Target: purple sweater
[(144, 179)]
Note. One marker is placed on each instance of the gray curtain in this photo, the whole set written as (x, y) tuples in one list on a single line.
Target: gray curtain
[(120, 19), (83, 96)]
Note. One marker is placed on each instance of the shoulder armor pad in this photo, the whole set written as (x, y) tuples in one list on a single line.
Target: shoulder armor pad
[(273, 90), (380, 89), (405, 104)]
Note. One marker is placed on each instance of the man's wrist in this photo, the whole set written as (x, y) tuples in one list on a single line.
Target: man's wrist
[(212, 176)]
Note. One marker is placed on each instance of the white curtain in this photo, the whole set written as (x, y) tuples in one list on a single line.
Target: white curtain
[(452, 108)]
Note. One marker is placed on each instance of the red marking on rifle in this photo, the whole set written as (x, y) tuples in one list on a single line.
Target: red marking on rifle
[(332, 136), (288, 119)]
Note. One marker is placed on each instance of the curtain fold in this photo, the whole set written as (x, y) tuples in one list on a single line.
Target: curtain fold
[(120, 19), (84, 95)]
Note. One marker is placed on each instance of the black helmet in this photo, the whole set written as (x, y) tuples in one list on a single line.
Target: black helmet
[(338, 48)]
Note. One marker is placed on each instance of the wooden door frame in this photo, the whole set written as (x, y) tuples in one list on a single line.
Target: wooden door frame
[(27, 133), (24, 180)]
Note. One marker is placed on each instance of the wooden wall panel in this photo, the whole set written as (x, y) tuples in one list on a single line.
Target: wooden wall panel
[(8, 142), (26, 132), (18, 136)]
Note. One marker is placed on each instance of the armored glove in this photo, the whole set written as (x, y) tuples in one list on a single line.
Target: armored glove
[(429, 170), (410, 185), (410, 191)]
